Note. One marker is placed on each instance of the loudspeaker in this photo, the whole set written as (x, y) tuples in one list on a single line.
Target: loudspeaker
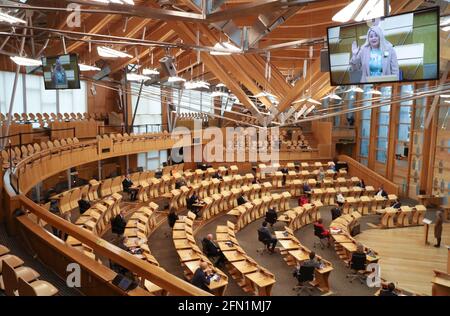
[(324, 61), (167, 67)]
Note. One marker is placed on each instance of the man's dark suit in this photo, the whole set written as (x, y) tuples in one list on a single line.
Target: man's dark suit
[(118, 225), (200, 279), (265, 236), (271, 216), (127, 184), (83, 205)]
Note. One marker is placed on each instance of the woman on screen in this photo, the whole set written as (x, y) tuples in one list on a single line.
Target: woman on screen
[(376, 57), (59, 77)]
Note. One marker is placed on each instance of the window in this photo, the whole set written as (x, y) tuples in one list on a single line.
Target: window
[(152, 160), (404, 126), (383, 125), (193, 101), (148, 115), (31, 96), (365, 126)]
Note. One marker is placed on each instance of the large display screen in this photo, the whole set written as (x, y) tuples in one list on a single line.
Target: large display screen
[(61, 72), (403, 47)]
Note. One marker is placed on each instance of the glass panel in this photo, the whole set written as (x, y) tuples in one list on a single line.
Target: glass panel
[(383, 131), (381, 156), (364, 148)]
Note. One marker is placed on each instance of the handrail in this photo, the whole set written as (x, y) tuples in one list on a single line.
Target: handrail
[(155, 274), (369, 176)]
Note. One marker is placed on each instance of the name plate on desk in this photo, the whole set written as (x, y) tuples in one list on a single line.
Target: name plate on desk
[(426, 221)]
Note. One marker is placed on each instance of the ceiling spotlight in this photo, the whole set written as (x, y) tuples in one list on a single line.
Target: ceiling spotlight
[(176, 79), (10, 19), (130, 2), (224, 48), (149, 72), (136, 77), (111, 53), (84, 67), (22, 61), (355, 89), (374, 91)]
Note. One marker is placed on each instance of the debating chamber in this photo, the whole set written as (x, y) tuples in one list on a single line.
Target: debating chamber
[(232, 148)]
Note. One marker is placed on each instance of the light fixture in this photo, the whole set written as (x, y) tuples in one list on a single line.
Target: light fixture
[(111, 53), (332, 96), (149, 72), (224, 48), (355, 89), (22, 61), (129, 2), (10, 19), (445, 96), (300, 113), (221, 85), (84, 67), (374, 91), (265, 94), (136, 77), (447, 101), (191, 85), (176, 79), (220, 94), (347, 13)]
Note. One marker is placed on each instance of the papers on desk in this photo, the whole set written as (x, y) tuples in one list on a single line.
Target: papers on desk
[(335, 230), (426, 221), (215, 277)]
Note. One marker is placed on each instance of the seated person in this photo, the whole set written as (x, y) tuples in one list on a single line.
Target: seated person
[(271, 216), (172, 217), (202, 276), (388, 290), (396, 204), (83, 204), (242, 199), (211, 249), (332, 166), (217, 175), (325, 233), (127, 187), (303, 200), (320, 175), (340, 199), (193, 199), (359, 258), (118, 224), (313, 261), (335, 212), (310, 263), (381, 192), (306, 188), (361, 184), (181, 182), (266, 237)]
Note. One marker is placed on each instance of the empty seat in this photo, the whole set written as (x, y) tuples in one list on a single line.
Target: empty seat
[(36, 288)]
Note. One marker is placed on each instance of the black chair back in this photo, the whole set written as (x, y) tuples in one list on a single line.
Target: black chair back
[(306, 274), (358, 261), (318, 231)]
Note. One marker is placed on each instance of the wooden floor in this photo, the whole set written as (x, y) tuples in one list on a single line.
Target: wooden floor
[(404, 257)]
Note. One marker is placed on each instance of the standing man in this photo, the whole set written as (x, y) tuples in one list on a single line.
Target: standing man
[(438, 228)]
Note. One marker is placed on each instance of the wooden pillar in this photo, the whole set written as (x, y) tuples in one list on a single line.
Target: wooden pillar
[(393, 134)]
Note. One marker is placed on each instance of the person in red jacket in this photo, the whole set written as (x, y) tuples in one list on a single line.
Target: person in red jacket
[(325, 232)]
